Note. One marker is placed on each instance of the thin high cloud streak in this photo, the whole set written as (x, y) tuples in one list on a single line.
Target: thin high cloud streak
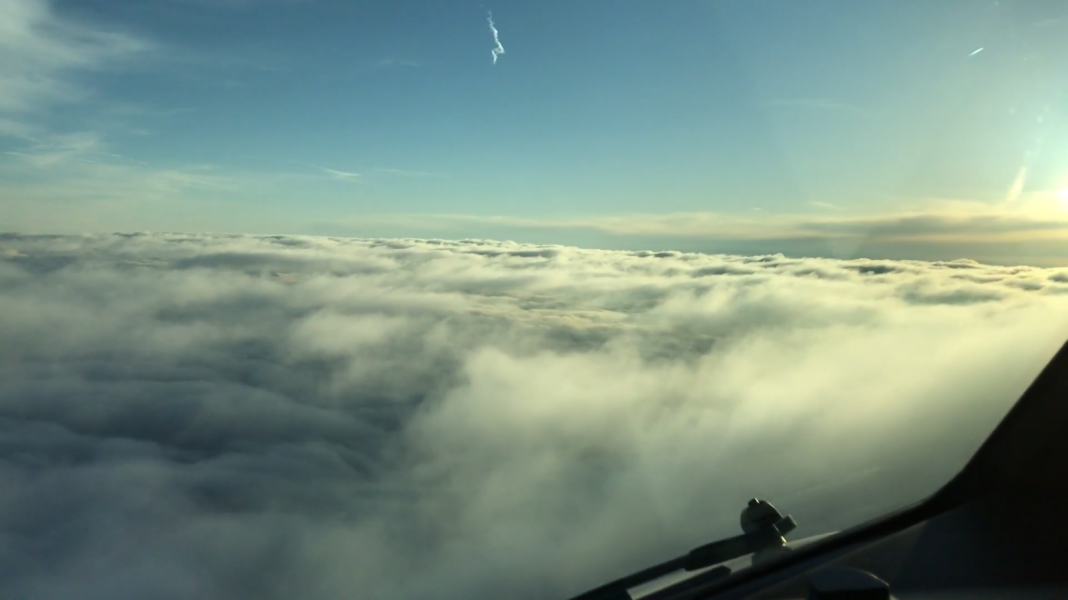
[(498, 49), (277, 417), (342, 175)]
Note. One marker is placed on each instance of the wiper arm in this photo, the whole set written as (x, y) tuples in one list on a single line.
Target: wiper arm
[(763, 527)]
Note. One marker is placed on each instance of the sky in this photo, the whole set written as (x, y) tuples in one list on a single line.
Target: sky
[(827, 128), (230, 417)]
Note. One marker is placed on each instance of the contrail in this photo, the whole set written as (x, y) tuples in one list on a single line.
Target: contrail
[(976, 52), (499, 50)]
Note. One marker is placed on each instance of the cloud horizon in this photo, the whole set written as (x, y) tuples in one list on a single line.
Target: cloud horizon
[(1030, 231)]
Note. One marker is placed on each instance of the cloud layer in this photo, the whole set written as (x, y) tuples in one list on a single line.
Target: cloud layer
[(275, 417), (1032, 230)]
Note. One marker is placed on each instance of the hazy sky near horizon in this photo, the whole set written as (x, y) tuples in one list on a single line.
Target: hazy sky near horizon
[(835, 128)]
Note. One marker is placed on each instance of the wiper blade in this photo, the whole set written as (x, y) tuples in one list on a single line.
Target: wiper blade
[(773, 534), (763, 527)]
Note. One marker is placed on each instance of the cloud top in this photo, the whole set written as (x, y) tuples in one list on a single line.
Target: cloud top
[(269, 417)]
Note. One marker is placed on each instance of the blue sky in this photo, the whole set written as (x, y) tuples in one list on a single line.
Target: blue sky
[(730, 125)]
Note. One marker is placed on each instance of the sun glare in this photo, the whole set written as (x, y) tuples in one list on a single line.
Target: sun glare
[(1062, 197)]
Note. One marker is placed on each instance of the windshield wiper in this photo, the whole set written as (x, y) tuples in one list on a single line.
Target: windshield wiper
[(763, 526)]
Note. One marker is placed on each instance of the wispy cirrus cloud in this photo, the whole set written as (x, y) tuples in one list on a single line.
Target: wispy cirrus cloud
[(113, 181), (76, 179), (40, 50), (53, 149), (44, 56), (341, 175)]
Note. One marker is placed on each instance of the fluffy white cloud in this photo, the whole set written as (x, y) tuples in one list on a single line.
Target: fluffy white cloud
[(229, 417)]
